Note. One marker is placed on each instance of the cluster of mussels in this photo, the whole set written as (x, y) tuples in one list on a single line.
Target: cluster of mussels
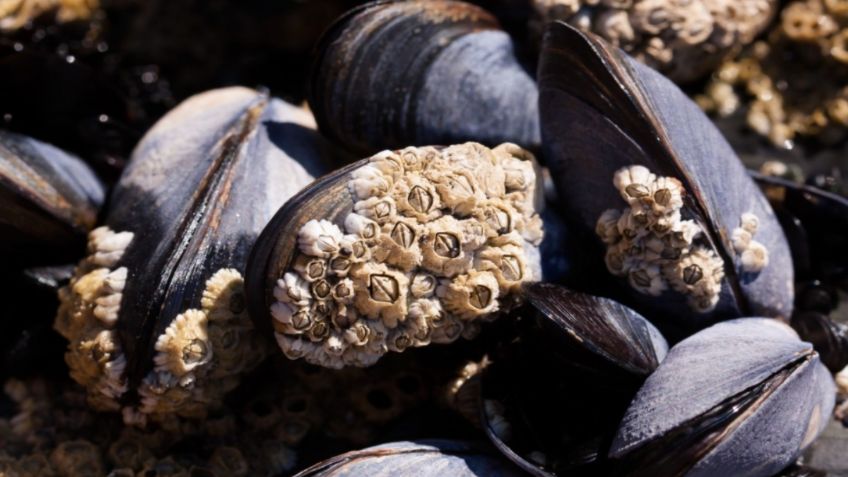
[(436, 240), (236, 228)]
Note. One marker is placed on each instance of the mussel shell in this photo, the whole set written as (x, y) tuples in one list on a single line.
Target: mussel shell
[(195, 195), (50, 200), (424, 458), (818, 223), (601, 111), (565, 383), (391, 74), (743, 397)]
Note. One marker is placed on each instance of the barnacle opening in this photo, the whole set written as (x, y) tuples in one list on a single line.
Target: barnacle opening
[(652, 246), (437, 240), (198, 357)]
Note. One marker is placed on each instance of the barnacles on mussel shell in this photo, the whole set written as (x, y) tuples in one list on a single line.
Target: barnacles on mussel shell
[(743, 397), (682, 39), (50, 200), (398, 250), (156, 314), (616, 130), (399, 73), (423, 458)]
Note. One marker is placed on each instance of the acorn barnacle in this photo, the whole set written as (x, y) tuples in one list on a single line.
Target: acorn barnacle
[(683, 240), (155, 315), (650, 244), (433, 240)]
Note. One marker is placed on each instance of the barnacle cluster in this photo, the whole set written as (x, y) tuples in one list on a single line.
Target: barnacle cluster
[(51, 432), (15, 14), (198, 357), (649, 243), (684, 39), (436, 241), (753, 256), (793, 83)]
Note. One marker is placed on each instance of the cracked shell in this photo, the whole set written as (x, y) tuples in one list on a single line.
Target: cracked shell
[(604, 115), (743, 397), (155, 315), (390, 74), (395, 251), (50, 200)]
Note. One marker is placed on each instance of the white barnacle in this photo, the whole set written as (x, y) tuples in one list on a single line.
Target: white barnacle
[(399, 244), (749, 222), (741, 239), (107, 247), (380, 293), (363, 227), (292, 289), (109, 303), (423, 285), (634, 183), (647, 279), (416, 197), (444, 249), (378, 209), (369, 181), (754, 258), (184, 346), (666, 195), (319, 238), (458, 190), (470, 295), (607, 226), (223, 298)]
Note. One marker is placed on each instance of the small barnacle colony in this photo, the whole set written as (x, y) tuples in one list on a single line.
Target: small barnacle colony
[(653, 247), (753, 256), (432, 241)]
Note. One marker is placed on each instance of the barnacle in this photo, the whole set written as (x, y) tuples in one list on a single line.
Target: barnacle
[(15, 14), (436, 240), (650, 244), (791, 84), (753, 255), (681, 38), (198, 356)]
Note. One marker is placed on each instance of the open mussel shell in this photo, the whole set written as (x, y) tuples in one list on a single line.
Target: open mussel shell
[(155, 315), (743, 397), (49, 200), (639, 166), (399, 250), (553, 397), (423, 458), (399, 73)]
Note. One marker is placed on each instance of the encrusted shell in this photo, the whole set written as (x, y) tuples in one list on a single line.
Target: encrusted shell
[(743, 397), (399, 73), (155, 315), (398, 250), (50, 200), (620, 136), (682, 39)]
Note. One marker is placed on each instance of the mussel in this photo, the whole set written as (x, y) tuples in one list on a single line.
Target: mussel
[(398, 250), (644, 171), (155, 314), (554, 393), (50, 200), (423, 458), (743, 397), (391, 74)]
